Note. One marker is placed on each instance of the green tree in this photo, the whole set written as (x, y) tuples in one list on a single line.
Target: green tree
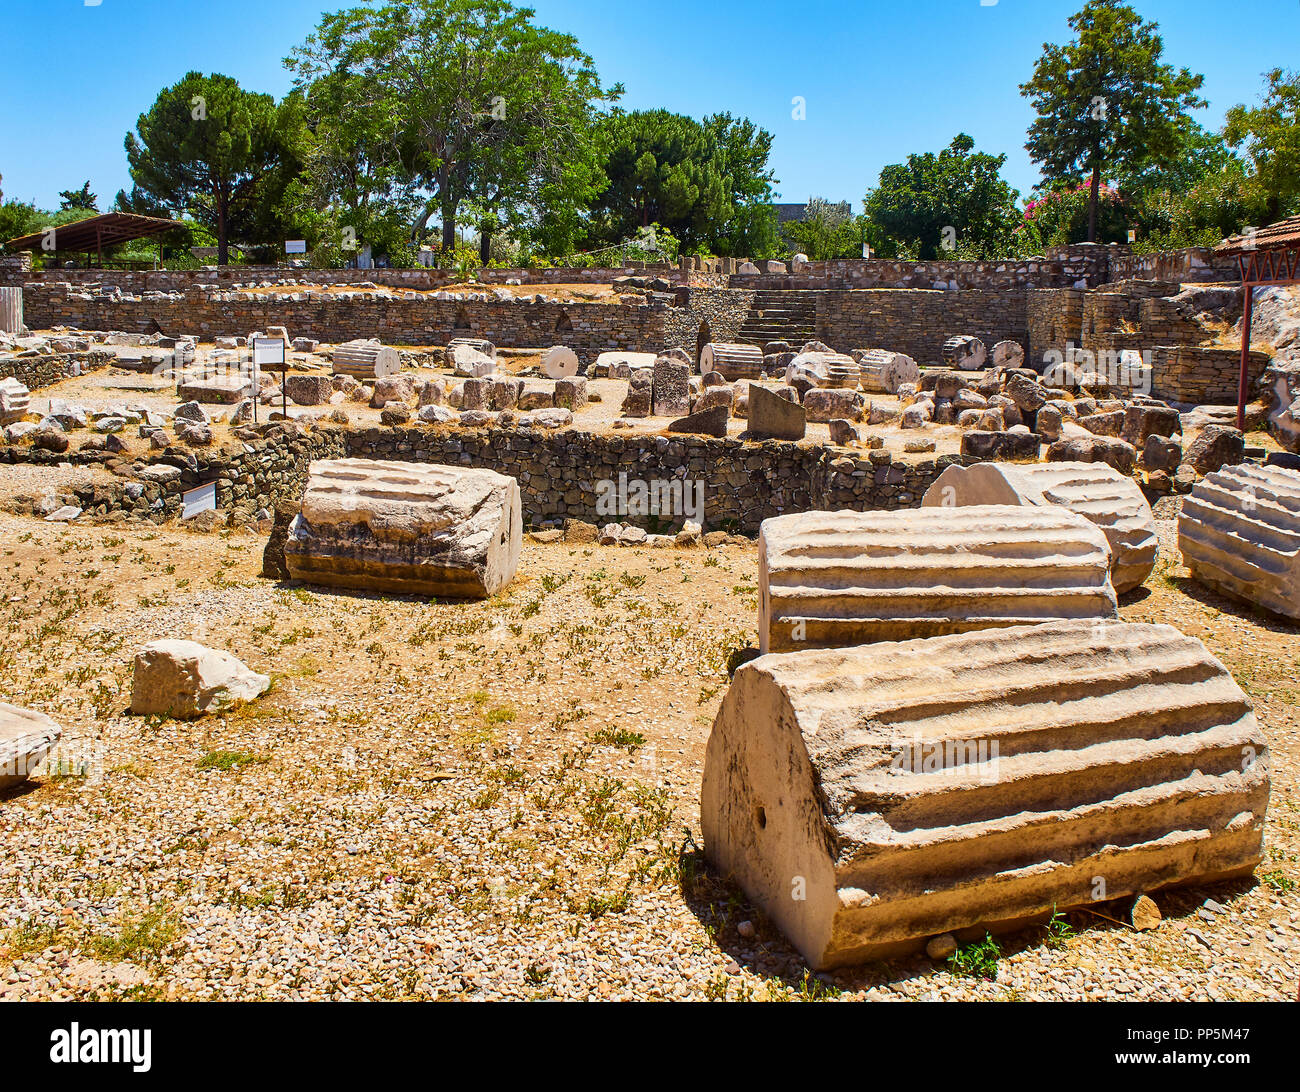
[(486, 109), (18, 218), (212, 148), (80, 199), (935, 203), (828, 230), (1106, 103), (1270, 133), (708, 183)]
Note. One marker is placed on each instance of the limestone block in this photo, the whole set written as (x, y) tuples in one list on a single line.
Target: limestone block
[(732, 360), (965, 351), (1008, 354), (560, 362), (571, 393), (410, 528), (478, 344), (1095, 491), (882, 371), (826, 404), (390, 388), (1216, 446), (15, 401), (302, 390), (843, 578), (26, 737), (1239, 533), (470, 362), (1091, 449), (670, 388), (366, 359), (186, 679), (976, 781), (773, 417)]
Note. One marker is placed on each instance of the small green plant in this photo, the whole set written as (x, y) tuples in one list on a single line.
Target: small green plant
[(229, 760), (502, 714), (1059, 929), (140, 939), (1278, 880), (976, 960), (617, 737)]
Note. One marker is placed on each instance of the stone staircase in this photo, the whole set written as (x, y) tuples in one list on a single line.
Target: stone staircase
[(777, 315)]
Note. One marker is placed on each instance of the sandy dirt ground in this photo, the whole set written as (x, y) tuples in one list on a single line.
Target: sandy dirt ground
[(478, 800)]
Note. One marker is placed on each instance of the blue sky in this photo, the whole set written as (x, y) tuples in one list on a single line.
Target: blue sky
[(881, 78)]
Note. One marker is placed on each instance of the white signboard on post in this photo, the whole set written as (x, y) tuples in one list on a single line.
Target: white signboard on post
[(295, 246)]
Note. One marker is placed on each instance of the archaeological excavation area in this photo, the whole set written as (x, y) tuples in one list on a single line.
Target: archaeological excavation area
[(727, 630)]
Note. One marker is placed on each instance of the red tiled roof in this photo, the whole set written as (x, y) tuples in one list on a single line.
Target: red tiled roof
[(1283, 235)]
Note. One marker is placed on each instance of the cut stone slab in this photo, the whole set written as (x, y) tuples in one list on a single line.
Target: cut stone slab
[(409, 528), (976, 781), (709, 422), (846, 578), (670, 388), (15, 401), (185, 679), (220, 390), (772, 417), (26, 737), (1239, 533), (825, 404), (470, 362), (560, 362), (1095, 491)]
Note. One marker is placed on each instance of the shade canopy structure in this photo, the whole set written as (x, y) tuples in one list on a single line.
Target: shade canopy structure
[(1265, 256), (94, 233)]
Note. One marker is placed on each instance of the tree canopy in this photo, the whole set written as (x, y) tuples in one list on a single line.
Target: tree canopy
[(454, 104), (1270, 136), (212, 148), (954, 201), (706, 182), (1106, 103)]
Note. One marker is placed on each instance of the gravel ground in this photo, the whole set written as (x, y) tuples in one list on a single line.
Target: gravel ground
[(492, 800)]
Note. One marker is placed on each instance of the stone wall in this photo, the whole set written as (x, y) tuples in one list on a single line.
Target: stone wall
[(43, 370), (917, 322), (587, 327), (744, 483), (1203, 374), (706, 314), (178, 280), (1080, 266), (558, 472), (1053, 318), (1188, 264), (248, 482)]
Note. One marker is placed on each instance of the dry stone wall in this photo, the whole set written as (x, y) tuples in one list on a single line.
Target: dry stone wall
[(587, 327)]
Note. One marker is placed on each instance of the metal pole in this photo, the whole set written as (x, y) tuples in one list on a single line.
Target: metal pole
[(1249, 289)]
